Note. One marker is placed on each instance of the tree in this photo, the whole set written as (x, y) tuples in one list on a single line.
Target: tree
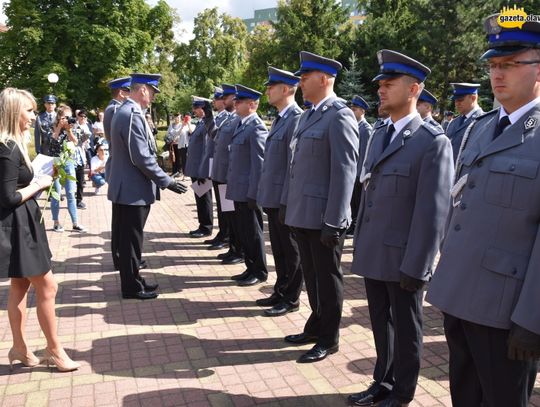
[(85, 42), (216, 54), (351, 81)]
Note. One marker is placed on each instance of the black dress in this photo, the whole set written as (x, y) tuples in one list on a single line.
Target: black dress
[(24, 249)]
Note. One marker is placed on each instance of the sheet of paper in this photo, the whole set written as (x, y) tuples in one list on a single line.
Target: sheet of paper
[(201, 189), (210, 163), (226, 204), (42, 165)]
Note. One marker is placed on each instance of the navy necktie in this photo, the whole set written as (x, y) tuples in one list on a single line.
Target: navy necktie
[(310, 113), (388, 136), (276, 120), (503, 124)]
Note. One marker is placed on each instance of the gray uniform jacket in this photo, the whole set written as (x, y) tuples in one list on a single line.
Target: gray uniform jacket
[(134, 169), (108, 114), (404, 204), (223, 138), (246, 160), (43, 130), (489, 270), (323, 167), (364, 132), (210, 145), (456, 129), (277, 157), (429, 119), (195, 151)]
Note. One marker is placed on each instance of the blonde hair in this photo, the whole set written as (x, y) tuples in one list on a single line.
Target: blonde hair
[(12, 103)]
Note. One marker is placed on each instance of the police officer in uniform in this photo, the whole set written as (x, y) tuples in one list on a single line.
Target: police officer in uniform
[(280, 89), (321, 182), (465, 97), (220, 169), (197, 146), (120, 92), (244, 172), (487, 281), (135, 181), (406, 176), (359, 107), (219, 241), (424, 106), (44, 126)]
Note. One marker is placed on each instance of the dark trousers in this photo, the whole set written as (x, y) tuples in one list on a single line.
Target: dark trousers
[(79, 174), (249, 225), (396, 321), (115, 235), (355, 203), (234, 227), (180, 155), (222, 222), (131, 220), (286, 258), (480, 372), (205, 212), (321, 267)]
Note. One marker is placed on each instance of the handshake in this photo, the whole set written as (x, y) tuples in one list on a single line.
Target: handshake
[(177, 187)]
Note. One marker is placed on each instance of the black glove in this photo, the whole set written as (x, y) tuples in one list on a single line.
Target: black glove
[(177, 187), (282, 213), (330, 236), (252, 204), (523, 344), (409, 283), (201, 180)]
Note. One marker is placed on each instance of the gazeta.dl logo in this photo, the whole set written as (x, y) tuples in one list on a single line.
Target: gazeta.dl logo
[(515, 17)]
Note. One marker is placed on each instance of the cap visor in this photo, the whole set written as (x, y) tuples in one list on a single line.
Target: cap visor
[(502, 52), (155, 89), (382, 76)]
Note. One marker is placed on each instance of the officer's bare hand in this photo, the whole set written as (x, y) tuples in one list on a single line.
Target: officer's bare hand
[(523, 344), (177, 187)]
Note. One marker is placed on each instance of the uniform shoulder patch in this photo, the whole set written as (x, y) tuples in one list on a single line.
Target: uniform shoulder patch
[(486, 114), (434, 131), (338, 104)]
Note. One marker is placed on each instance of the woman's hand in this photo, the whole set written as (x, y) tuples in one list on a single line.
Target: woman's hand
[(44, 181)]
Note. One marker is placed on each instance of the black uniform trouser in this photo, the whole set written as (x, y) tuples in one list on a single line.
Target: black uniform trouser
[(131, 220), (115, 235), (355, 202), (480, 372), (321, 267), (396, 321), (182, 153), (205, 212), (222, 222), (234, 227), (249, 225), (286, 258), (79, 174)]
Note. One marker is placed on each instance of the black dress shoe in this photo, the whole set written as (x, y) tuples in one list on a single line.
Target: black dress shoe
[(149, 287), (199, 233), (281, 309), (242, 276), (217, 246), (143, 265), (318, 352), (141, 295), (392, 402), (210, 241), (223, 256), (274, 299), (249, 281), (232, 260), (373, 395), (300, 339)]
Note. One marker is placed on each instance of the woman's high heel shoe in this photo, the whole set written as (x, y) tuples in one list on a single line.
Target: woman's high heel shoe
[(29, 360), (62, 365)]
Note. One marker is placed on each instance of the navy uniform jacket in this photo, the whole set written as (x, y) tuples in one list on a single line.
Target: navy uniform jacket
[(246, 160), (323, 167), (364, 132), (108, 114), (195, 151), (489, 269), (456, 129), (277, 156), (43, 130), (210, 145), (134, 169), (220, 166), (404, 204)]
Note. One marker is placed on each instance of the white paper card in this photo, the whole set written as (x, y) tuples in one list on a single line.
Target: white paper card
[(201, 189), (226, 204)]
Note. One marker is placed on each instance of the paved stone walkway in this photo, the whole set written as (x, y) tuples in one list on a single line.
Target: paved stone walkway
[(203, 342)]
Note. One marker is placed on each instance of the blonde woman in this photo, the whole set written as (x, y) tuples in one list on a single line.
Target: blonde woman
[(25, 256)]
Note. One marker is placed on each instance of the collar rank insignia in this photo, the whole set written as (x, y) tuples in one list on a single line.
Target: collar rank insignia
[(530, 123), (324, 108), (407, 132)]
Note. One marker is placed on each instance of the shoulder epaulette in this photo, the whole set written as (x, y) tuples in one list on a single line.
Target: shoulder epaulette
[(434, 131), (485, 114), (381, 124), (338, 104)]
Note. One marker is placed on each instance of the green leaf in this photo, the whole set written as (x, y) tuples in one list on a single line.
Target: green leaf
[(55, 195)]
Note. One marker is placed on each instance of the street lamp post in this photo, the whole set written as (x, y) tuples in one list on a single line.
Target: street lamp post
[(53, 79)]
